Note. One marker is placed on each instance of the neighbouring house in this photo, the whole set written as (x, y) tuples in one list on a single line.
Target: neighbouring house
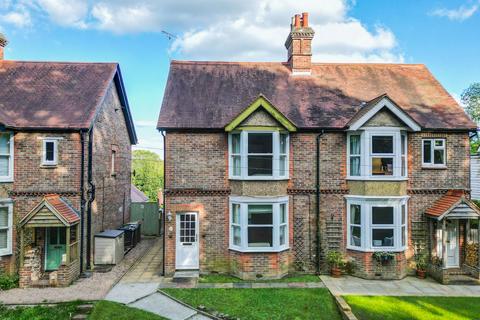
[(270, 165), (137, 196), (65, 156)]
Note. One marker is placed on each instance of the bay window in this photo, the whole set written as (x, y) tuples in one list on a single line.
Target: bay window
[(377, 224), (258, 155), (6, 156), (377, 154), (258, 224), (433, 153)]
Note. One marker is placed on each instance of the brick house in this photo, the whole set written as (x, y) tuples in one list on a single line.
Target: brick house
[(269, 166), (65, 150)]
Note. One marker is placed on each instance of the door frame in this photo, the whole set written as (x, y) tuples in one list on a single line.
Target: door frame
[(177, 240), (457, 247)]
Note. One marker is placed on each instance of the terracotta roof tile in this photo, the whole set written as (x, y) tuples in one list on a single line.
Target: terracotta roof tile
[(208, 95), (443, 204), (68, 213)]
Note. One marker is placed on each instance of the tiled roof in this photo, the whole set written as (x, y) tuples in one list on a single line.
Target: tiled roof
[(63, 208), (208, 95), (57, 95), (445, 203), (137, 195)]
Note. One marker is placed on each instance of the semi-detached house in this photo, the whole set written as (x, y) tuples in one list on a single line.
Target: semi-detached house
[(66, 133), (270, 165)]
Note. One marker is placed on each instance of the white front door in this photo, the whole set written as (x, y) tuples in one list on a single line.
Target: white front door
[(452, 244), (186, 256)]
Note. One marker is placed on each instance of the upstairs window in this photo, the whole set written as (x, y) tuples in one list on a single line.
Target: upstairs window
[(50, 152), (6, 156), (433, 153), (258, 155), (377, 154)]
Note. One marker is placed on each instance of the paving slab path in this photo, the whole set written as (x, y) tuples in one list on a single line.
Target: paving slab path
[(410, 286), (87, 289), (138, 288)]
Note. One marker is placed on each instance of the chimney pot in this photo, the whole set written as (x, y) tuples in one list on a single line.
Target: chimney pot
[(297, 21), (305, 19)]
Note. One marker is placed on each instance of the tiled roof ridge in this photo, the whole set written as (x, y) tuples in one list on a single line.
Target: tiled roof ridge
[(217, 62), (58, 62)]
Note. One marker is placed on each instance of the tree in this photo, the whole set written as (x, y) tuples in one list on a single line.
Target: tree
[(147, 173), (471, 100)]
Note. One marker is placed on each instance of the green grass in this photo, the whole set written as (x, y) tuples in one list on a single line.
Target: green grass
[(60, 311), (256, 304), (103, 310), (106, 310), (414, 308), (223, 278)]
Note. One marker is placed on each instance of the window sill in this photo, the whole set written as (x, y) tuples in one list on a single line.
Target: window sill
[(6, 179), (258, 179), (259, 250), (440, 167), (377, 250), (368, 178), (48, 166)]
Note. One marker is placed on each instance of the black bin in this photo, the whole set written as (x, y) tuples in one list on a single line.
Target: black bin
[(132, 234)]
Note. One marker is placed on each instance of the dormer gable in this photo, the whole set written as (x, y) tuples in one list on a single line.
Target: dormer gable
[(382, 111), (261, 114)]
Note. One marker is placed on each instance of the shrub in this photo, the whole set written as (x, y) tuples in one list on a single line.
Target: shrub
[(8, 281)]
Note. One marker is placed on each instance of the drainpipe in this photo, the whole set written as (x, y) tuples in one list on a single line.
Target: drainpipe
[(317, 206), (164, 202), (82, 197), (91, 197)]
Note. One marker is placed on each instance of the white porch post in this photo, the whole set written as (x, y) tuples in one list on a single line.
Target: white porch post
[(444, 242)]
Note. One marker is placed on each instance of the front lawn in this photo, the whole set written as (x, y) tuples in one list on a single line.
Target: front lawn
[(259, 304), (103, 310), (414, 308), (60, 311), (223, 278)]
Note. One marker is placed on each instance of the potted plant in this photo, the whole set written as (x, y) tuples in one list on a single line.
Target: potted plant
[(383, 257), (335, 260), (421, 264)]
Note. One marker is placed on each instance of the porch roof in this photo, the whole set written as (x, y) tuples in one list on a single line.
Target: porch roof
[(453, 205), (52, 211)]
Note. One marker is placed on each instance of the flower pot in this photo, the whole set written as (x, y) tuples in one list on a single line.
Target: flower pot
[(336, 272), (421, 274)]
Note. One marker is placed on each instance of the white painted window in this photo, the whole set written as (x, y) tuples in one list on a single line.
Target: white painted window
[(50, 152), (6, 156), (433, 153), (377, 154), (6, 222), (258, 155), (377, 224), (259, 224)]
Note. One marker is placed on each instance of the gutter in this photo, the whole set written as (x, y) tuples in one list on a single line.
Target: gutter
[(91, 197), (164, 202), (317, 202), (82, 198)]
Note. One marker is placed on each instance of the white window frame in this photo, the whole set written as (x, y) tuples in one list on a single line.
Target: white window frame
[(9, 177), (46, 162), (366, 203), (244, 156), (366, 153), (7, 203), (432, 164), (244, 202)]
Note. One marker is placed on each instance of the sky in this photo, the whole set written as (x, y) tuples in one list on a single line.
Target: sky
[(144, 35)]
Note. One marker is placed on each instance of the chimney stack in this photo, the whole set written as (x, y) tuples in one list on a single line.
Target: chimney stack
[(299, 45), (3, 44)]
